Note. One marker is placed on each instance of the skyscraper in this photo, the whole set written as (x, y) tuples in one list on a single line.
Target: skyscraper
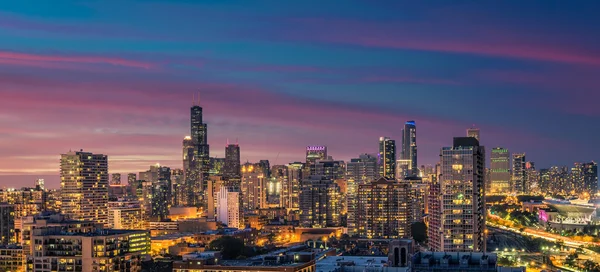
[(201, 158), (362, 169), (473, 132), (320, 203), (409, 147), (519, 174), (462, 190), (500, 172), (191, 172), (387, 158), (84, 186), (159, 197), (232, 168), (313, 154), (384, 210)]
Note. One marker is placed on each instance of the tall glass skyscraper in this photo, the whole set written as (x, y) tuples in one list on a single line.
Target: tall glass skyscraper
[(409, 147), (196, 164), (232, 168), (387, 158)]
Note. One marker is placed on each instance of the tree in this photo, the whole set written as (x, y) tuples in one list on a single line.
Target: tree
[(591, 266), (419, 232), (230, 247)]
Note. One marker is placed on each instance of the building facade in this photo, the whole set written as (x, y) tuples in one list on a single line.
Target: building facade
[(254, 193), (409, 147), (229, 207), (462, 193), (519, 174), (7, 224), (387, 158), (232, 169), (500, 172), (384, 210), (320, 203), (84, 186)]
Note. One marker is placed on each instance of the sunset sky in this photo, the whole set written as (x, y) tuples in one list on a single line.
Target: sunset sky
[(118, 77)]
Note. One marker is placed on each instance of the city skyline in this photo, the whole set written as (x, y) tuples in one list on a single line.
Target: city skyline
[(128, 96)]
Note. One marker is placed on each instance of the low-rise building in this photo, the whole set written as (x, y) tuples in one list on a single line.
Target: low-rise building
[(458, 261)]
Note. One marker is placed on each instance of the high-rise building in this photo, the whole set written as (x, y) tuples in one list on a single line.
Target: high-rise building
[(253, 186), (532, 178), (290, 188), (590, 177), (7, 224), (197, 164), (84, 186), (384, 210), (157, 191), (473, 132), (232, 169), (178, 196), (132, 183), (418, 197), (115, 179), (362, 169), (387, 158), (126, 214), (329, 169), (519, 174), (217, 165), (462, 192), (434, 207), (229, 207), (313, 154), (320, 203), (409, 147), (500, 172)]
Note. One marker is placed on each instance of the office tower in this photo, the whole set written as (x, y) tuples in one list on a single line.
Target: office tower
[(590, 178), (229, 208), (232, 168), (290, 188), (115, 179), (409, 147), (473, 132), (216, 166), (98, 250), (519, 178), (462, 197), (39, 184), (26, 201), (313, 154), (199, 132), (191, 172), (7, 224), (320, 203), (387, 158), (418, 197), (434, 207), (126, 214), (362, 169), (329, 169), (555, 181), (53, 202), (84, 186), (253, 187), (500, 172), (384, 210), (158, 178)]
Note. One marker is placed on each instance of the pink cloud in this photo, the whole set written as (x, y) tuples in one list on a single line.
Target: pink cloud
[(47, 61)]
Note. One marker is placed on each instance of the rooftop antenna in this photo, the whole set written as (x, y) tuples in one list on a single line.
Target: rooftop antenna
[(198, 97)]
